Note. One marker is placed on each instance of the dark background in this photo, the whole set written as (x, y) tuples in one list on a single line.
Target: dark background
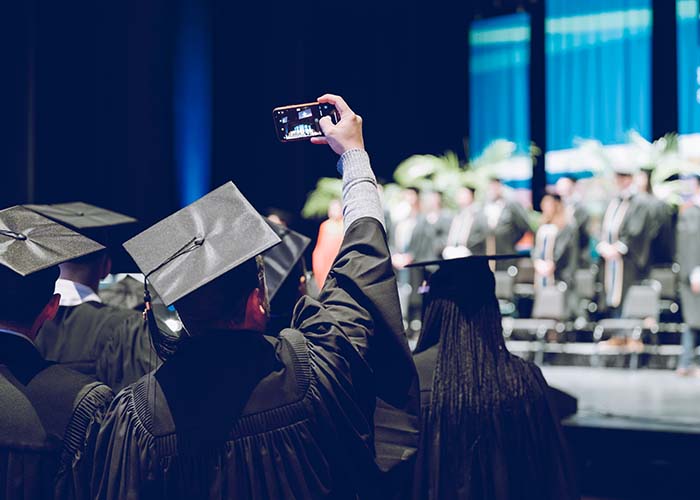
[(86, 108)]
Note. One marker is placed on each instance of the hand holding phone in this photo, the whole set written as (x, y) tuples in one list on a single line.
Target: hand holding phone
[(344, 135), (300, 122)]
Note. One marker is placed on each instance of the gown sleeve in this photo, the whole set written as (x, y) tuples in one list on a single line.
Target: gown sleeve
[(75, 468), (126, 355), (122, 449), (359, 350)]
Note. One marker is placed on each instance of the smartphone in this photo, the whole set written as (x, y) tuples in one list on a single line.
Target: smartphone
[(299, 122)]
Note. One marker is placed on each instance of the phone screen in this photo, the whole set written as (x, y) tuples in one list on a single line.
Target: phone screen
[(300, 121)]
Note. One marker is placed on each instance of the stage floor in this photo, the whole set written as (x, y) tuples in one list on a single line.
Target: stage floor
[(649, 400)]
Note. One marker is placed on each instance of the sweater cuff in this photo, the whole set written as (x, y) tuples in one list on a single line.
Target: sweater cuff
[(360, 195), (354, 164)]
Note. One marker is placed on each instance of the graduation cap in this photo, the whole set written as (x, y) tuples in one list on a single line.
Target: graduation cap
[(81, 215), (468, 278), (30, 242), (281, 259), (200, 242), (97, 223)]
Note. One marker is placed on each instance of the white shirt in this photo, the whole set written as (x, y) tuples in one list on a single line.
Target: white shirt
[(74, 294)]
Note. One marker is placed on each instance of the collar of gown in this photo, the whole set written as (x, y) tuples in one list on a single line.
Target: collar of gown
[(20, 355), (74, 294)]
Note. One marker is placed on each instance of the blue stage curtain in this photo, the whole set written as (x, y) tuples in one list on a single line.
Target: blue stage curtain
[(688, 67), (192, 106), (598, 65), (499, 78)]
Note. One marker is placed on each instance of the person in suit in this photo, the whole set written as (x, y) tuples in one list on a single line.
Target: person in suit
[(458, 237), (688, 258), (661, 216), (625, 239), (499, 225)]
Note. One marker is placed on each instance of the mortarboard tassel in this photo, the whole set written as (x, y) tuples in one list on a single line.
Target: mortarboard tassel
[(164, 344)]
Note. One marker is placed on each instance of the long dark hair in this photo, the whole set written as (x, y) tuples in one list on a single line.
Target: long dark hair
[(486, 406)]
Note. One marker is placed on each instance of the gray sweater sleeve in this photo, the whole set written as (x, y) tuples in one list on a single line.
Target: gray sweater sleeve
[(360, 195)]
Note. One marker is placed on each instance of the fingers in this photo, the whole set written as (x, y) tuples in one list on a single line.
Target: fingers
[(336, 101), (319, 140), (326, 125)]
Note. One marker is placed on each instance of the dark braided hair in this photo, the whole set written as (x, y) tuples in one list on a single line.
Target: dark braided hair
[(488, 407)]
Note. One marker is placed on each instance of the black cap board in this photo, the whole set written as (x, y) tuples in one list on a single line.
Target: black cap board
[(281, 259), (30, 242), (200, 242), (99, 224), (81, 215)]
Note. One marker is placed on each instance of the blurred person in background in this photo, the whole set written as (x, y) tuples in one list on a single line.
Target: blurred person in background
[(330, 237), (661, 221), (556, 244), (625, 239), (688, 258), (404, 245), (461, 227), (566, 188), (432, 228), (499, 225)]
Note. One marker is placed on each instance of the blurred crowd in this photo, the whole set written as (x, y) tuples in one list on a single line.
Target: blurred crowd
[(614, 227)]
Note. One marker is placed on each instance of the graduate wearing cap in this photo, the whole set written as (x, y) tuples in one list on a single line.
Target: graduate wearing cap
[(285, 275), (460, 233), (555, 254), (46, 409), (579, 214), (107, 342), (489, 430), (499, 225), (625, 239), (688, 258), (234, 413), (661, 215)]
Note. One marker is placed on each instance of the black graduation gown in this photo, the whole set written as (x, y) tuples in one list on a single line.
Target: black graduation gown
[(502, 465), (661, 231), (241, 415), (636, 231), (512, 226), (429, 238), (582, 221), (564, 255), (109, 343), (46, 411), (124, 294), (688, 258)]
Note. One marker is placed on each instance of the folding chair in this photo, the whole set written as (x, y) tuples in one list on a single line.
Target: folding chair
[(640, 311), (667, 277), (549, 313)]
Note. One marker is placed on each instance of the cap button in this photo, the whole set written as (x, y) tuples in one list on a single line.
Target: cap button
[(13, 234)]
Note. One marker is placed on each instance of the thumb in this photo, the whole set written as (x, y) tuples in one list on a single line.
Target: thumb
[(326, 125)]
